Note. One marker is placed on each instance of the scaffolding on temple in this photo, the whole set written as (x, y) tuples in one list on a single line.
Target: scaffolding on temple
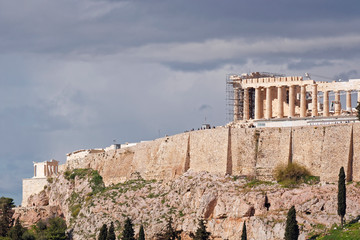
[(233, 100), (235, 95)]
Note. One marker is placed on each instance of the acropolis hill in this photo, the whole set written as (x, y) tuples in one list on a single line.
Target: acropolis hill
[(206, 173), (315, 137)]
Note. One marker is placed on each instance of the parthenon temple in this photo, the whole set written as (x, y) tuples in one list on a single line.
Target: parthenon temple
[(265, 96)]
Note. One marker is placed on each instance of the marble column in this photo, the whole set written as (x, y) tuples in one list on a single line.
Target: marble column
[(261, 106), (280, 106), (291, 100), (314, 111), (236, 104), (326, 104), (337, 103), (348, 101), (268, 103), (246, 104), (303, 101), (257, 103)]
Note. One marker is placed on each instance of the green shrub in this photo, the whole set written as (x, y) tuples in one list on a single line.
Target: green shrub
[(96, 182), (255, 182), (291, 174), (95, 179), (75, 210), (67, 174)]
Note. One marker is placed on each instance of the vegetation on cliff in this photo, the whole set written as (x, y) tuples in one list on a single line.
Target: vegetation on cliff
[(244, 234), (96, 181), (341, 195), (53, 229), (6, 221), (170, 233), (141, 233), (128, 233), (351, 231), (201, 233), (292, 228), (224, 201), (103, 232), (293, 174)]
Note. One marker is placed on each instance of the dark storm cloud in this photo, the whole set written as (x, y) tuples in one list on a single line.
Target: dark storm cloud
[(104, 26)]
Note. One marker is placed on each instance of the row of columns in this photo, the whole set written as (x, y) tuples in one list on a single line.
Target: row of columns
[(50, 170), (326, 102), (280, 107)]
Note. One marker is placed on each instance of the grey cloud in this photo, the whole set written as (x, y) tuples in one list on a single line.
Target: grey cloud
[(204, 107), (67, 27), (202, 66), (308, 63), (345, 76)]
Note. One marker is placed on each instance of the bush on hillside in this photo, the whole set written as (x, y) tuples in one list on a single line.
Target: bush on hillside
[(291, 174)]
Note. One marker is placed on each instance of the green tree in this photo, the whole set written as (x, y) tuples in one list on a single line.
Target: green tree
[(201, 233), (103, 232), (17, 231), (40, 230), (28, 236), (6, 221), (244, 234), (341, 195), (111, 233), (358, 110), (56, 229), (141, 233), (170, 233), (292, 228), (128, 233)]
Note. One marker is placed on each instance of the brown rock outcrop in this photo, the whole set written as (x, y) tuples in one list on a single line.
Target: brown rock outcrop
[(225, 202)]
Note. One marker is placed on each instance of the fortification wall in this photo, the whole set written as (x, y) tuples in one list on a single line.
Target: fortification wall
[(237, 151), (208, 150), (32, 186), (271, 149), (162, 158)]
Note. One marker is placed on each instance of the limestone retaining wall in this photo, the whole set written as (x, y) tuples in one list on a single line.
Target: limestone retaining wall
[(32, 186), (237, 151)]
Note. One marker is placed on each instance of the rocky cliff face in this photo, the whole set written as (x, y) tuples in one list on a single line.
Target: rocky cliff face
[(225, 202)]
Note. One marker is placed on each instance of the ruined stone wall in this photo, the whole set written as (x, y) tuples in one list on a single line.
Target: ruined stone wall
[(237, 151)]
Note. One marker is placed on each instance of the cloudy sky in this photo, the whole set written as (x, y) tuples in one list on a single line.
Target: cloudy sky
[(79, 74)]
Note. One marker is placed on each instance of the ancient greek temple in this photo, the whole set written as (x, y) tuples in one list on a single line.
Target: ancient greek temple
[(45, 169), (265, 96)]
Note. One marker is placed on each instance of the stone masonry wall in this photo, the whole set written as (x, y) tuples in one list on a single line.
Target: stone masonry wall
[(237, 151), (32, 186)]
